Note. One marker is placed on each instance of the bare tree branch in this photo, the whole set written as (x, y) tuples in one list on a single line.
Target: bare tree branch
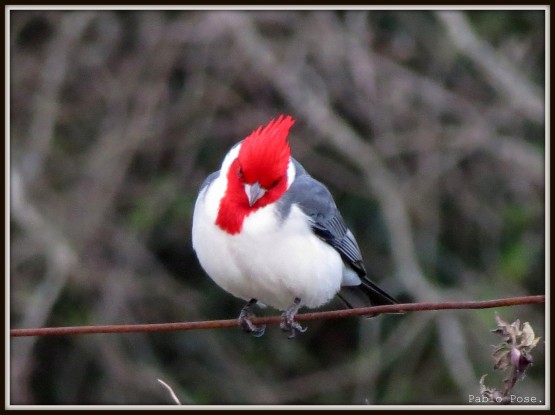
[(322, 315), (46, 100), (501, 73)]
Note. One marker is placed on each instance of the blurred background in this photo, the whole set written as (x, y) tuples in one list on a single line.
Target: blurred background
[(427, 126)]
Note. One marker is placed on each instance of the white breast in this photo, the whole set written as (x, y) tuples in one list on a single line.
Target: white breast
[(269, 260)]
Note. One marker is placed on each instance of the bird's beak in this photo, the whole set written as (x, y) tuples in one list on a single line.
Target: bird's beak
[(254, 192)]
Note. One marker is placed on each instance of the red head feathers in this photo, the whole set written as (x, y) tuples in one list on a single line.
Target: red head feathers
[(264, 155), (262, 161)]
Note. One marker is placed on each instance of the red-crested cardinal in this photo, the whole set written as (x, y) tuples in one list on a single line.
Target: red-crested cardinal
[(265, 230)]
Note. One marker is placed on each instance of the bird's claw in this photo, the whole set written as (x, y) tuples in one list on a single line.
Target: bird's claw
[(246, 323), (291, 327), (252, 328), (288, 323)]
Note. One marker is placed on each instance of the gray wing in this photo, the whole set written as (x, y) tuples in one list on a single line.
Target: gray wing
[(211, 177), (315, 200)]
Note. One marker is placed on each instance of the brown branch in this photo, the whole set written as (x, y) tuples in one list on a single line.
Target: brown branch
[(322, 315)]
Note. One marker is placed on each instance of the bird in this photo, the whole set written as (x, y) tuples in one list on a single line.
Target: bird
[(267, 232)]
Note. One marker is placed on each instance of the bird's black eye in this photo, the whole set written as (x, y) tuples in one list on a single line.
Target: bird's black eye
[(240, 173), (275, 183)]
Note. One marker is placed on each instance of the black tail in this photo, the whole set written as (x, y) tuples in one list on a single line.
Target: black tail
[(365, 294)]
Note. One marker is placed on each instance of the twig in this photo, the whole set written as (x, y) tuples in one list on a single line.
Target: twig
[(170, 390), (322, 315)]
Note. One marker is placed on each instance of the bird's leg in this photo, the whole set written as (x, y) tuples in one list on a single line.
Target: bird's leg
[(287, 320), (245, 322)]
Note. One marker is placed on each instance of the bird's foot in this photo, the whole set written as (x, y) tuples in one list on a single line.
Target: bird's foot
[(288, 323), (245, 320)]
